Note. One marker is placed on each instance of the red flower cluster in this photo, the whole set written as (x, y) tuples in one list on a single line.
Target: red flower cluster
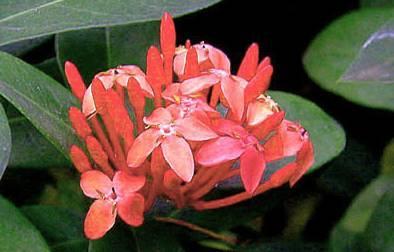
[(185, 146)]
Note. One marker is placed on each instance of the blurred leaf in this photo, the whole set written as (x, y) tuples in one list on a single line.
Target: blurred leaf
[(65, 193), (379, 234), (22, 47), (21, 19), (351, 171), (337, 46), (17, 233), (155, 236), (327, 135), (375, 61), (388, 159), (218, 245), (61, 227), (41, 99), (50, 67), (5, 141), (348, 232), (376, 3), (119, 239), (99, 49), (30, 149)]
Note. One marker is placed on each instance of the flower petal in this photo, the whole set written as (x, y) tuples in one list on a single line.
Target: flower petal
[(252, 168), (193, 129), (304, 160), (158, 116), (95, 184), (230, 128), (283, 175), (197, 84), (88, 107), (99, 219), (143, 145), (249, 63), (177, 153), (234, 94), (258, 84), (75, 80), (131, 209), (268, 125), (126, 184), (273, 148), (172, 93), (219, 150)]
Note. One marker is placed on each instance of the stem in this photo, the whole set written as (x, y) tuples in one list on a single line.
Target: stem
[(225, 238), (231, 200)]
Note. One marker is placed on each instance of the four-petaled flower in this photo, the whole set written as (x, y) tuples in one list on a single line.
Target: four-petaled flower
[(112, 197), (170, 133)]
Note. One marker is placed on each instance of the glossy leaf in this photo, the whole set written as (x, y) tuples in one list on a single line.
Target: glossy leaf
[(17, 233), (347, 235), (30, 149), (375, 61), (61, 227), (327, 135), (99, 49), (28, 19), (335, 48), (41, 99), (5, 141)]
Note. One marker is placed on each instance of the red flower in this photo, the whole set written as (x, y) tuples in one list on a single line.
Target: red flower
[(112, 197), (235, 142), (170, 133)]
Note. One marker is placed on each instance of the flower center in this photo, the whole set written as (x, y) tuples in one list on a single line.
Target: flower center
[(167, 129)]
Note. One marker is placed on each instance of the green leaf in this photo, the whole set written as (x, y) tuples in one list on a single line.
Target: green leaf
[(119, 239), (288, 246), (5, 141), (347, 234), (17, 233), (327, 135), (21, 19), (388, 159), (376, 3), (61, 227), (30, 149), (99, 49), (155, 236), (379, 234), (41, 99), (51, 68), (334, 50)]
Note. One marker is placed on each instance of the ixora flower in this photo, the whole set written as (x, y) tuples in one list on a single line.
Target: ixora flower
[(207, 126)]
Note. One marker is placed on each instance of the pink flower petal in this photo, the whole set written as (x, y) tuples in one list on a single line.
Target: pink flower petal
[(99, 219), (249, 63), (194, 130), (252, 168), (234, 94), (219, 150), (258, 84), (230, 128), (131, 209), (291, 137), (262, 130), (171, 92), (198, 84), (95, 184), (283, 175), (158, 116), (88, 107), (143, 145), (177, 153), (273, 148), (126, 184)]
